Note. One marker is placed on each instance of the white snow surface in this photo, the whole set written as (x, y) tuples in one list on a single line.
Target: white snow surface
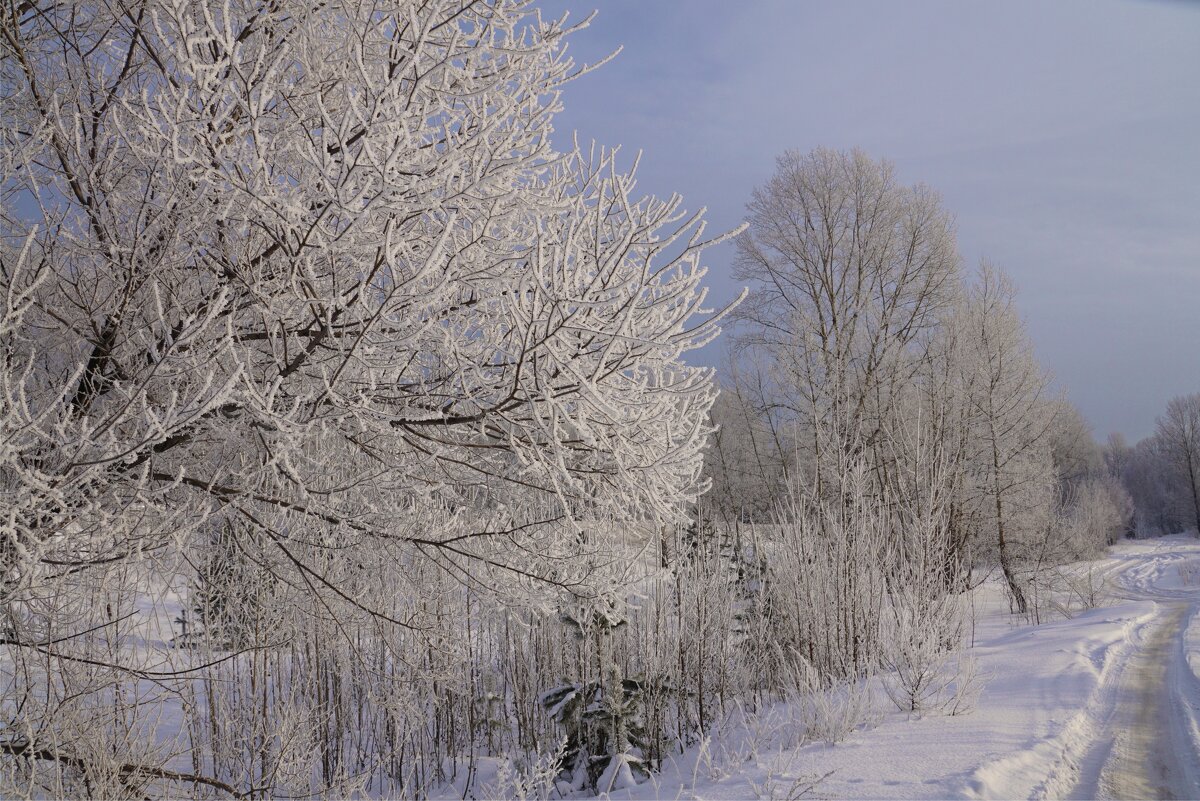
[(1047, 724)]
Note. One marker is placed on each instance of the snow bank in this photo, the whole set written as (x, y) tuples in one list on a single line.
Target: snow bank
[(1051, 691)]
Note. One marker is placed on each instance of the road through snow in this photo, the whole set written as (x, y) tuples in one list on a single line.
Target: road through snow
[(1146, 744), (1143, 759)]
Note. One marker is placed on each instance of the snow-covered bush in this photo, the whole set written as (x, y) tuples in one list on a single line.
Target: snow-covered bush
[(1096, 515), (602, 724), (535, 779), (829, 710), (924, 616), (924, 634), (825, 580)]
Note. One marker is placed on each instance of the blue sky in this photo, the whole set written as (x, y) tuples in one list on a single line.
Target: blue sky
[(1065, 138)]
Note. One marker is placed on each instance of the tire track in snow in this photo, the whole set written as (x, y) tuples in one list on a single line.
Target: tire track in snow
[(1145, 745), (1136, 754), (1138, 734), (1052, 764)]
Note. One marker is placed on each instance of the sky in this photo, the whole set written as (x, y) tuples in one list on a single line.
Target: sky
[(1064, 137)]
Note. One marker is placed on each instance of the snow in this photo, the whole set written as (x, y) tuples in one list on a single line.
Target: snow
[(1052, 719), (1043, 726)]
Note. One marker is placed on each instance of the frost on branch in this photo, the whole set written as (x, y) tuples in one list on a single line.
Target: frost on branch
[(315, 274), (322, 267)]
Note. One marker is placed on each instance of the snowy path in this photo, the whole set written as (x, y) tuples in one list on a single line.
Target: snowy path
[(1137, 733), (1147, 747), (1143, 758)]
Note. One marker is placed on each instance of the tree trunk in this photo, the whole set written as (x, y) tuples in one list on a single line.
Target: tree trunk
[(1005, 560)]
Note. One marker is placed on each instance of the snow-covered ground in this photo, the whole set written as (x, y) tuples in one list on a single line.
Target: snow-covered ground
[(1104, 704)]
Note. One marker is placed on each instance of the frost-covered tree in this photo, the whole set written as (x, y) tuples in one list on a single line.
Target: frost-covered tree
[(855, 281), (324, 263), (1011, 419), (1147, 475), (849, 270), (1075, 452), (1178, 434), (1161, 473), (317, 269)]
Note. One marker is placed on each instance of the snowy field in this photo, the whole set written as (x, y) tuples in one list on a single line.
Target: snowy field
[(1103, 704)]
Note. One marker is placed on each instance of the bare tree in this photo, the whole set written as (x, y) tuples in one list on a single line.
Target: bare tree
[(1153, 482), (1077, 457), (1178, 435), (849, 269), (1007, 392)]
